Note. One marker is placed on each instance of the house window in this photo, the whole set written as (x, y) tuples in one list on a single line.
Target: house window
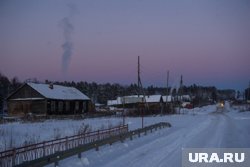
[(67, 106), (60, 106), (53, 106), (77, 105)]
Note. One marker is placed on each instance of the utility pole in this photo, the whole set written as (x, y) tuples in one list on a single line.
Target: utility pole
[(139, 91), (138, 76), (180, 92), (123, 114), (167, 93), (248, 93)]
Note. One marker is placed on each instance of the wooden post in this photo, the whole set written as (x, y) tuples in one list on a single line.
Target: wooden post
[(96, 147), (66, 148), (56, 164), (14, 157), (121, 138), (44, 149), (79, 155)]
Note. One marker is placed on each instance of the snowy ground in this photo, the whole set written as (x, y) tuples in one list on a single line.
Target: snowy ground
[(204, 129), (196, 128), (18, 134)]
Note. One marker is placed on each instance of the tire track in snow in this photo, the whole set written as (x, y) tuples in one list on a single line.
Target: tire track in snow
[(157, 152)]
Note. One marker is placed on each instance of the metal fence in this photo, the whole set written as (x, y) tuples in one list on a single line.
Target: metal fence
[(58, 156), (32, 152)]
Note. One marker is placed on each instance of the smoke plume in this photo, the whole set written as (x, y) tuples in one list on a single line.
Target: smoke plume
[(67, 46)]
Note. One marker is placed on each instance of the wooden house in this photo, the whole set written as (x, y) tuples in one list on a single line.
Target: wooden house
[(47, 99), (151, 103)]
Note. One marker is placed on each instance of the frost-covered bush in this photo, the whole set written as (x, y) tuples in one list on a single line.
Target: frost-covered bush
[(84, 129)]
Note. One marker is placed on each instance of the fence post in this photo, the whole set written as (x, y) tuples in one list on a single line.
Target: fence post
[(131, 136), (98, 135), (96, 147), (56, 164), (80, 155), (44, 149), (14, 157), (121, 138), (66, 148)]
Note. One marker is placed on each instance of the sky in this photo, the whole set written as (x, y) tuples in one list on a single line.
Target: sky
[(206, 41)]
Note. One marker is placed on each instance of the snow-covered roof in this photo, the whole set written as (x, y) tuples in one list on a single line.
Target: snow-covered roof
[(153, 98), (126, 100), (186, 97), (134, 99), (35, 98), (113, 102), (58, 92), (168, 98)]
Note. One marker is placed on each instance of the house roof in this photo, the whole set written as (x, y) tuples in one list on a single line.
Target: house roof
[(168, 98), (135, 99), (113, 102), (153, 98), (58, 92)]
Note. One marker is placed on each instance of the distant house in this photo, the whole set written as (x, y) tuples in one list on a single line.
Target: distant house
[(152, 102), (125, 100), (167, 99), (153, 99), (155, 103), (47, 99)]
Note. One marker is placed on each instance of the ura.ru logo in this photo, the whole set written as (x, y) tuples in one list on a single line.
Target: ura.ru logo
[(215, 158)]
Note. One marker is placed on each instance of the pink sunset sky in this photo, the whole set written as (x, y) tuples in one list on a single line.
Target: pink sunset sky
[(206, 41)]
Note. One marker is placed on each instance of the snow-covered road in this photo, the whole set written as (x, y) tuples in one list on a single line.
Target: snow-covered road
[(205, 129)]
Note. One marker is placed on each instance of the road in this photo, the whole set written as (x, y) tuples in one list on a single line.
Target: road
[(163, 148)]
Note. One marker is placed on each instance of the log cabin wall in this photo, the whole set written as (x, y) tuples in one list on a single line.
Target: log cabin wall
[(27, 100)]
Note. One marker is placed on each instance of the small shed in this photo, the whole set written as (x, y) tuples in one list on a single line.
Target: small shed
[(47, 99)]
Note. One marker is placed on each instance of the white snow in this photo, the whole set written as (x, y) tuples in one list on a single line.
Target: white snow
[(202, 128), (58, 92), (153, 98), (85, 161), (17, 134), (196, 128), (168, 98)]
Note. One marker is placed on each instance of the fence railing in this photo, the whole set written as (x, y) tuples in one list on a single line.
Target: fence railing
[(58, 156), (32, 152)]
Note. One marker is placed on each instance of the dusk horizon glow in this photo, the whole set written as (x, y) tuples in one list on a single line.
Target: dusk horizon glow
[(208, 42)]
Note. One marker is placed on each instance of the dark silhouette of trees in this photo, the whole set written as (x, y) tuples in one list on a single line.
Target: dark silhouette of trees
[(100, 93), (247, 94)]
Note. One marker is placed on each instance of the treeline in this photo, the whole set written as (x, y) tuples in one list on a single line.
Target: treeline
[(100, 93), (7, 86)]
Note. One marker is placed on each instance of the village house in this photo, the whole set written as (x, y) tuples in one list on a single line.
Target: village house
[(168, 99), (47, 99), (153, 103)]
